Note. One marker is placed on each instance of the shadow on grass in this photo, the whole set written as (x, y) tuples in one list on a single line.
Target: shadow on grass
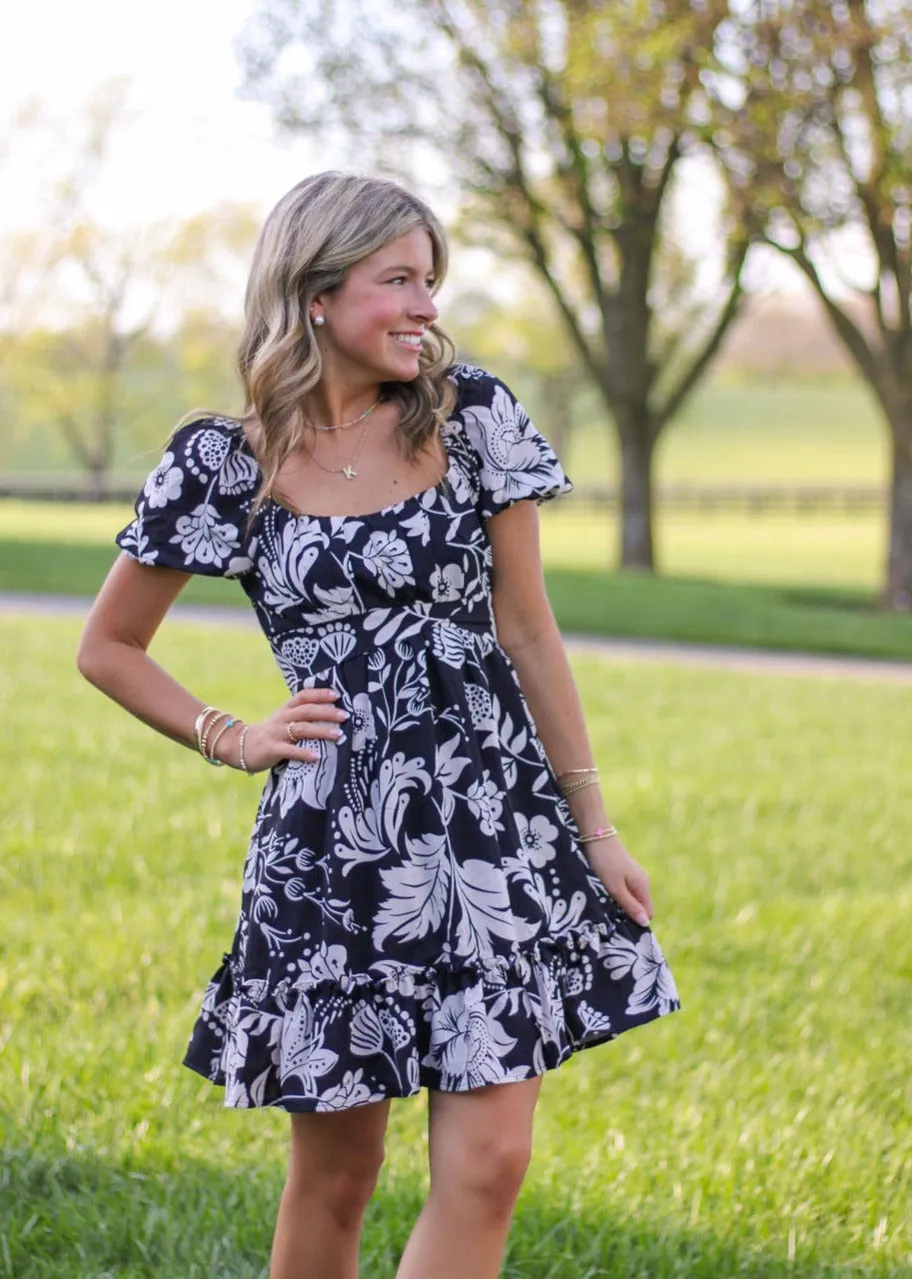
[(74, 1214), (845, 601)]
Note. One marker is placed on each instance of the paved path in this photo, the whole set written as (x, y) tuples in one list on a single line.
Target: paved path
[(656, 652)]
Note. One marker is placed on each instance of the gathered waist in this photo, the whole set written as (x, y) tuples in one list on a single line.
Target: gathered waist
[(302, 651)]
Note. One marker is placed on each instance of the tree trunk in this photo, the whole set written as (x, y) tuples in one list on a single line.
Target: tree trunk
[(637, 551), (556, 394), (98, 479), (897, 594)]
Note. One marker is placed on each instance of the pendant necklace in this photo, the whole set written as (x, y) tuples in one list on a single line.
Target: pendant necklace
[(349, 470)]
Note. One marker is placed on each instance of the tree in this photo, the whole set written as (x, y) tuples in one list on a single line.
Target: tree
[(122, 281), (818, 146), (566, 125), (97, 293), (528, 345)]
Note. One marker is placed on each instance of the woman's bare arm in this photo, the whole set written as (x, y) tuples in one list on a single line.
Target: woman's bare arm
[(113, 656), (526, 629)]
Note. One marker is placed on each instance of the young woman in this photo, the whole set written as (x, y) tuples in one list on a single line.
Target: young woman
[(433, 895)]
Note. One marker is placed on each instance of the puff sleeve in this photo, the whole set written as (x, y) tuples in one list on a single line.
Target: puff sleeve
[(516, 462), (192, 511)]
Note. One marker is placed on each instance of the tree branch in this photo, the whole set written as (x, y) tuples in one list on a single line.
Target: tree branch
[(533, 237), (586, 235), (692, 376), (845, 326), (74, 438)]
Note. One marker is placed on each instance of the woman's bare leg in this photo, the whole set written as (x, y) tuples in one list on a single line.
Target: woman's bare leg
[(332, 1171), (480, 1143)]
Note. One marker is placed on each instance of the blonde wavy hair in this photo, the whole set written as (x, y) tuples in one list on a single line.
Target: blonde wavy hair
[(323, 226)]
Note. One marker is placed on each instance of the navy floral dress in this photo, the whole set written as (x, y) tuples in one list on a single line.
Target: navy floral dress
[(417, 910)]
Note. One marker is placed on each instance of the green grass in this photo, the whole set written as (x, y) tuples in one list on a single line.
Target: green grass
[(780, 549), (780, 431), (771, 1118), (775, 582)]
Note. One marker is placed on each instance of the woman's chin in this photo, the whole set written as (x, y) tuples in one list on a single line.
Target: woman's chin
[(403, 370)]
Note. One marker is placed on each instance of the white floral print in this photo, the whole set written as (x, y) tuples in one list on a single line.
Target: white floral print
[(164, 484), (387, 556), (416, 908), (537, 835), (513, 465), (363, 727), (483, 797), (467, 1045), (654, 986), (203, 539), (447, 581)]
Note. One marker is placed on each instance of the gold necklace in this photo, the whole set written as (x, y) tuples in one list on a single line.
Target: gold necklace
[(349, 469), (343, 426)]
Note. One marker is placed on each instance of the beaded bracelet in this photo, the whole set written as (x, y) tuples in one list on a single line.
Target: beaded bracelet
[(204, 738), (204, 724), (242, 739), (200, 723), (218, 737), (603, 832)]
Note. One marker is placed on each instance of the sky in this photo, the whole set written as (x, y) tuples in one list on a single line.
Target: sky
[(193, 143)]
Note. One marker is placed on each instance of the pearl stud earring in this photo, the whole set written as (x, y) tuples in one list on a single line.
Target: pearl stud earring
[(319, 321)]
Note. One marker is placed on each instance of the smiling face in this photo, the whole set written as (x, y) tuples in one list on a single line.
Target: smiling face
[(375, 320)]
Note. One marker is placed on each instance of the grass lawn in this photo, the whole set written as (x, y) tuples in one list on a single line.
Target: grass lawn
[(765, 1131), (773, 582), (749, 430)]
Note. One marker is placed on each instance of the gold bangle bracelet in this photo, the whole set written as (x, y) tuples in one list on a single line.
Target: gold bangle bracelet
[(603, 832), (569, 772), (204, 741), (199, 724), (572, 787)]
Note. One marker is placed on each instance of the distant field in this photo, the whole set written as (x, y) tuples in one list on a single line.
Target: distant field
[(811, 431), (828, 550)]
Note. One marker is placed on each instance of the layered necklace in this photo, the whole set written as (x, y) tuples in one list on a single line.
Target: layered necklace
[(348, 470)]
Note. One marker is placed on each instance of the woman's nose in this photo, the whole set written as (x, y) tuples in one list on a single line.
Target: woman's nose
[(423, 307)]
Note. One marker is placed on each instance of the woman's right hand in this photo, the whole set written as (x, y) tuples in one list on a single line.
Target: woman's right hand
[(312, 713)]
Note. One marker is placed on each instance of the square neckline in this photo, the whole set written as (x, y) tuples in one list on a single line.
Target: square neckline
[(440, 486)]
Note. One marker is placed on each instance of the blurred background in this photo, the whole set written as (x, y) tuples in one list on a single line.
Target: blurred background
[(680, 231)]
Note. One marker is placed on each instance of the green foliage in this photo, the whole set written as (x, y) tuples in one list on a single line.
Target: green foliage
[(51, 390), (84, 304), (819, 97), (566, 125), (764, 1131)]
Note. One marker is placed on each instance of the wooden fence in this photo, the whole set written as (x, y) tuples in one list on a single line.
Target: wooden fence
[(754, 499)]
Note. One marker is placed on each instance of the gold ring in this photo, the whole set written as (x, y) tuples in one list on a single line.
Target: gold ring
[(291, 733)]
